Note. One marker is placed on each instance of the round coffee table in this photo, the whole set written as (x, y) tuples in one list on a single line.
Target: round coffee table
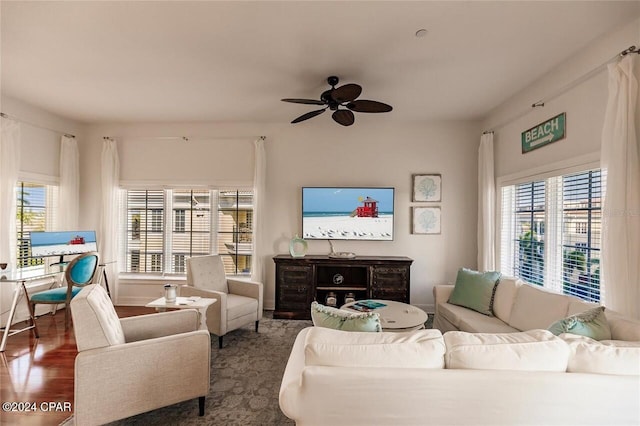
[(395, 316)]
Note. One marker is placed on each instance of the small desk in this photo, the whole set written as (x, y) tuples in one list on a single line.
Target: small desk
[(396, 316), (201, 304), (19, 278)]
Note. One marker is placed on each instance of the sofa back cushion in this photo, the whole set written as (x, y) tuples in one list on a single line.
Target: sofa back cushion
[(603, 357), (413, 349), (622, 327), (505, 296), (537, 308), (534, 350)]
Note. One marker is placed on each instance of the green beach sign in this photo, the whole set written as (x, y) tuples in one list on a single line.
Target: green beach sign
[(544, 133)]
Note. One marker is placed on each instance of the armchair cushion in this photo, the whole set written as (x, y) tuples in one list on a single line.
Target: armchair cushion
[(207, 272), (239, 306)]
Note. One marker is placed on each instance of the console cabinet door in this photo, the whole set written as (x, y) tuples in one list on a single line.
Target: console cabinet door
[(391, 283), (295, 289)]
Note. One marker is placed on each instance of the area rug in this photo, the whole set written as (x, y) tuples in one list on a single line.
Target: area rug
[(245, 380)]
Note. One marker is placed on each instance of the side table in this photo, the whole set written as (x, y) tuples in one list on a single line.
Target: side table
[(396, 316), (199, 303)]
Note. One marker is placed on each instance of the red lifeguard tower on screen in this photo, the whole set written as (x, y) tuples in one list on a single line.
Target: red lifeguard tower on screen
[(369, 209)]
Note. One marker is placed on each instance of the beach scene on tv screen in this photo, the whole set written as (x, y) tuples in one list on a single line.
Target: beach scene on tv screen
[(347, 213), (60, 243)]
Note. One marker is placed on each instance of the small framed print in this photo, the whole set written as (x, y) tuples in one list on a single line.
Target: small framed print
[(426, 220), (427, 187)]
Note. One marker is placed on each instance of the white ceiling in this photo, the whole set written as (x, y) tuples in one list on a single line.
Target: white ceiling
[(225, 61)]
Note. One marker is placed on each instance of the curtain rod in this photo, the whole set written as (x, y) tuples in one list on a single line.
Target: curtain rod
[(188, 138), (567, 87), (69, 135)]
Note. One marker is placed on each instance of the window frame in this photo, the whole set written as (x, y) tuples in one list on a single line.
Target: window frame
[(173, 201), (553, 240)]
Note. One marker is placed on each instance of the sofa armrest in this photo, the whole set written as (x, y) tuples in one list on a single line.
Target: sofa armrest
[(441, 293), (290, 386), (150, 326), (140, 376)]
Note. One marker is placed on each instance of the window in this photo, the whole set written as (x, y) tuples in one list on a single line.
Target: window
[(235, 227), (36, 205), (550, 233), (166, 226)]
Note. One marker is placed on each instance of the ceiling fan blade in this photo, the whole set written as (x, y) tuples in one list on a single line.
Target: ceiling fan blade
[(346, 93), (344, 117), (368, 106), (308, 115), (303, 101)]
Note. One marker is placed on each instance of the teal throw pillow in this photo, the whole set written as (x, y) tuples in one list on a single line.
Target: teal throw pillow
[(475, 290), (328, 317), (591, 323)]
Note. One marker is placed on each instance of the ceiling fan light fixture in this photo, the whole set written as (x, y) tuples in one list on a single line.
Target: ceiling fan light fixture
[(334, 98)]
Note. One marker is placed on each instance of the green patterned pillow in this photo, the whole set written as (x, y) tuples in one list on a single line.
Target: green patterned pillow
[(475, 290), (592, 323), (326, 316)]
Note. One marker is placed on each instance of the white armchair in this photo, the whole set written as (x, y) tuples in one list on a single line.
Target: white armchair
[(239, 302), (132, 365)]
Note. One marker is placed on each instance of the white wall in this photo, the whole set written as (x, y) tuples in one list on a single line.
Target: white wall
[(584, 104), (40, 160), (318, 152)]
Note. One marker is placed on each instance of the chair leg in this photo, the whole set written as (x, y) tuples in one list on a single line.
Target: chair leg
[(257, 322), (201, 406), (220, 342)]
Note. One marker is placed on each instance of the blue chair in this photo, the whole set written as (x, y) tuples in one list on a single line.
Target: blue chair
[(79, 273)]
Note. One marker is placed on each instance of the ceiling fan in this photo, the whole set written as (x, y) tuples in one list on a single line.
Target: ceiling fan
[(343, 96)]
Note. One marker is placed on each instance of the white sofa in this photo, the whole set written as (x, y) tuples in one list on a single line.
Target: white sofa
[(519, 306), (422, 378)]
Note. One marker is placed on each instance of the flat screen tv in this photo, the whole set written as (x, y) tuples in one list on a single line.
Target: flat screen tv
[(347, 213), (45, 244)]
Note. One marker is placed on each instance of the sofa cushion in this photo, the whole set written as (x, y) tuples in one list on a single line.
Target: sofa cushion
[(505, 296), (577, 306), (592, 323), (604, 357), (622, 327), (474, 322), (414, 349), (474, 290), (534, 350), (537, 308), (326, 316)]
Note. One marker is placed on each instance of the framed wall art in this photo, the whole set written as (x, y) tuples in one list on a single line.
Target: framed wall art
[(426, 220), (427, 187)]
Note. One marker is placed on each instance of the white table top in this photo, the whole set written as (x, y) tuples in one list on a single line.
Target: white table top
[(182, 303), (395, 315)]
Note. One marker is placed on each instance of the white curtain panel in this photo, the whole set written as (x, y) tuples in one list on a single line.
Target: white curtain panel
[(9, 166), (108, 233), (69, 191), (486, 204), (620, 263), (260, 169)]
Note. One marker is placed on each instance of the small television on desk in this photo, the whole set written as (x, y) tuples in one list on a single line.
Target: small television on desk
[(62, 243)]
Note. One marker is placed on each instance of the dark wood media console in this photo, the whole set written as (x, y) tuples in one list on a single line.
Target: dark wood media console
[(301, 280)]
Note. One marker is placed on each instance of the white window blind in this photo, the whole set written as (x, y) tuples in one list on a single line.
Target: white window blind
[(235, 227), (161, 228), (550, 232), (36, 210)]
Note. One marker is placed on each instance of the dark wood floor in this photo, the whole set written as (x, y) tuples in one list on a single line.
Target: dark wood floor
[(38, 371)]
